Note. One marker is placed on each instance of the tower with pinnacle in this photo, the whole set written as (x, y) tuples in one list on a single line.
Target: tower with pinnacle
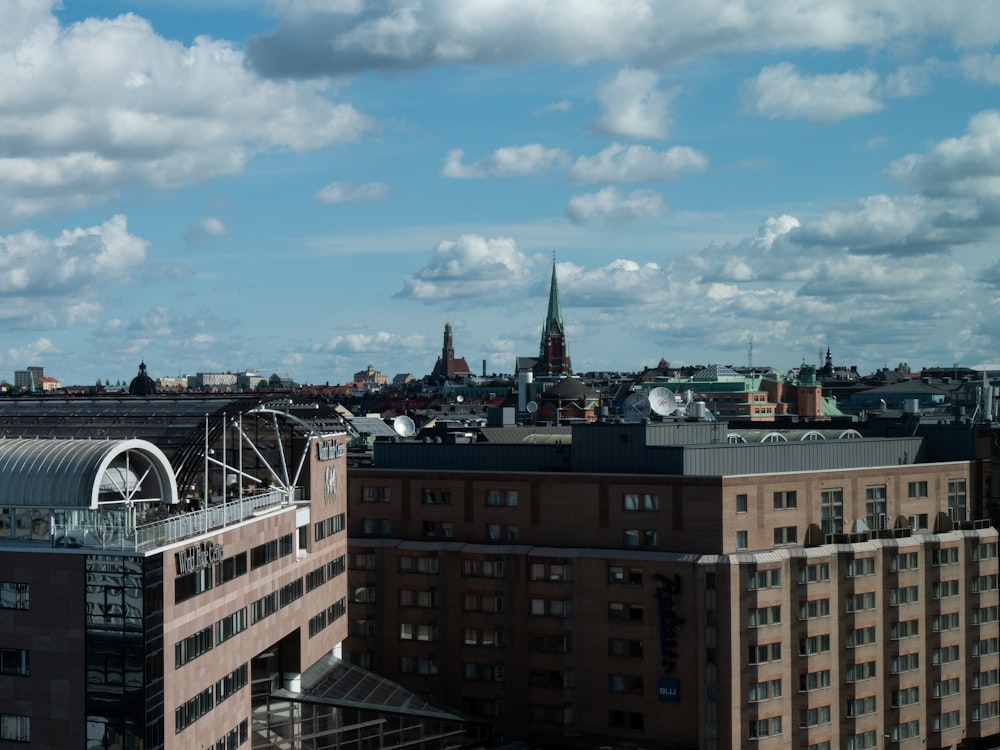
[(552, 357)]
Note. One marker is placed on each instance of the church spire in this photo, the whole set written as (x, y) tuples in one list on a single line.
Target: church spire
[(552, 357), (553, 320)]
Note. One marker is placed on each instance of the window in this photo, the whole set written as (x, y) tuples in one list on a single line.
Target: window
[(862, 566), (412, 665), (832, 511), (860, 602), (904, 561), (916, 490), (904, 731), (944, 688), (814, 573), (945, 589), (625, 647), (285, 545), (482, 568), (637, 502), (814, 644), (435, 497), (424, 598), (363, 561), (986, 646), (192, 647), (762, 691), (858, 672), (480, 602), (784, 500), (232, 682), (415, 632), (860, 636), (956, 500), (875, 512), (13, 596), (761, 616), (619, 611), (411, 564), (945, 655), (230, 568), (375, 494), (985, 711), (741, 540), (640, 537), (229, 626), (264, 607), (904, 663), (918, 521), (811, 717), (984, 583), (741, 503), (785, 535), (550, 572), (945, 721), (863, 741), (15, 728), (814, 680), (948, 621), (814, 608), (290, 592), (861, 706), (905, 629), (551, 607), (619, 683), (944, 556), (984, 551), (764, 579), (904, 595), (15, 661), (986, 679), (905, 697), (764, 653), (189, 712), (764, 727)]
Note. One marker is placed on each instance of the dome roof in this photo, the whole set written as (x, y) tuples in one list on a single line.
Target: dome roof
[(570, 389), (142, 384)]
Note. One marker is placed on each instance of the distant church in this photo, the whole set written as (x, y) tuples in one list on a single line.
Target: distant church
[(552, 358), (448, 366)]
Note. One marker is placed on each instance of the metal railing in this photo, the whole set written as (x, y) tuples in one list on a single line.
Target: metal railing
[(110, 535)]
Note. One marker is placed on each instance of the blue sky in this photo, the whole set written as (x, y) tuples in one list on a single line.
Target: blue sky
[(309, 187)]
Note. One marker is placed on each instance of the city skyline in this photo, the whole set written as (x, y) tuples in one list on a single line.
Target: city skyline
[(278, 186)]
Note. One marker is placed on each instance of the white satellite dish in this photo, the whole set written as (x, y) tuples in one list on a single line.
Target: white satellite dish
[(404, 426), (662, 401), (636, 407), (532, 407), (459, 399)]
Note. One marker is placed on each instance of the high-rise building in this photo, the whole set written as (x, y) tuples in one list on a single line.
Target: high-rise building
[(666, 585)]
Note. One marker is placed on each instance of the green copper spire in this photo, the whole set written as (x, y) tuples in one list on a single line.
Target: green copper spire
[(554, 320)]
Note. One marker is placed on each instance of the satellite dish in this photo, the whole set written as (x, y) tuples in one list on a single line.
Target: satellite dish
[(404, 426), (532, 407), (636, 407), (662, 401), (459, 399)]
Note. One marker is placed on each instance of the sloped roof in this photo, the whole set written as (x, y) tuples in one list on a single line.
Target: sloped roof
[(716, 372)]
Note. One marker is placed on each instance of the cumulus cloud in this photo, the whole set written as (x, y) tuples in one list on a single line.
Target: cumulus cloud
[(611, 207), (47, 282), (206, 228), (315, 39), (511, 161), (379, 342), (981, 66), (348, 192), (635, 106), (623, 164), (469, 268), (780, 91), (89, 108)]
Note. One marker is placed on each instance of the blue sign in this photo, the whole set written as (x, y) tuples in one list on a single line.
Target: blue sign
[(670, 690)]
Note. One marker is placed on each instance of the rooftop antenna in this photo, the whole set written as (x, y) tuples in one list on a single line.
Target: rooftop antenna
[(750, 354)]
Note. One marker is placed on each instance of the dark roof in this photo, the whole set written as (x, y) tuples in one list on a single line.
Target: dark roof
[(570, 388)]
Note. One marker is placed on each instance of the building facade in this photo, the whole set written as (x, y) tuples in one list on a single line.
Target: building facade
[(647, 584)]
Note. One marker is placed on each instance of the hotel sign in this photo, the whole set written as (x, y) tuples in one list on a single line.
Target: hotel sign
[(199, 557)]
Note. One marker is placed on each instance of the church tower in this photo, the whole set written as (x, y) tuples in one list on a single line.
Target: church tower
[(552, 357)]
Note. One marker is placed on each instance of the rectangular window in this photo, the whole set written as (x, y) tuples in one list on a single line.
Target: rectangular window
[(905, 731), (986, 646), (863, 741), (944, 688), (786, 535), (984, 711), (764, 579), (192, 647), (375, 494), (13, 595), (15, 728), (948, 621), (856, 637), (263, 554), (944, 556), (875, 507), (984, 551), (764, 653), (264, 607), (984, 583), (984, 615), (229, 626), (858, 672), (15, 661), (862, 566), (860, 602), (741, 540), (904, 595), (986, 679), (785, 500), (916, 490), (904, 663), (232, 682), (918, 521), (230, 568), (904, 561), (765, 727), (741, 503), (905, 697), (814, 680), (956, 500), (762, 691), (761, 616), (814, 573), (905, 629), (947, 720), (482, 568), (945, 589), (945, 655), (815, 644), (811, 717), (832, 511), (815, 608)]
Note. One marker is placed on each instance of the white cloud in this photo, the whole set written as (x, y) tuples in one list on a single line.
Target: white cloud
[(206, 228), (398, 34), (635, 106), (780, 91), (623, 164), (89, 108), (511, 161), (21, 357), (379, 342), (469, 268), (610, 207), (347, 192), (982, 66)]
